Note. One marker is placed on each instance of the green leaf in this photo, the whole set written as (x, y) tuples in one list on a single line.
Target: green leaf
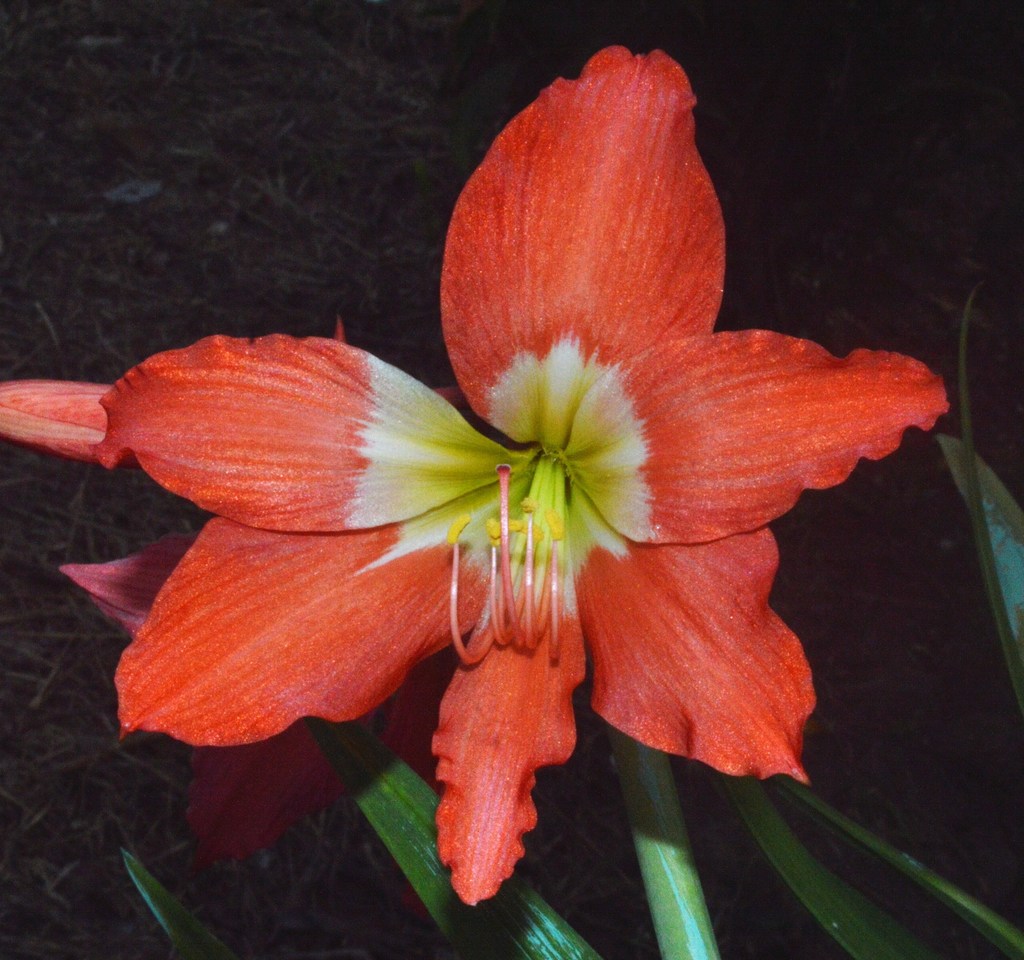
[(975, 504), (999, 932), (863, 930), (517, 924), (190, 938), (999, 525), (674, 892)]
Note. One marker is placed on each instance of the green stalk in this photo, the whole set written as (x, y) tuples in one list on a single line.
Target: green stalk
[(674, 893)]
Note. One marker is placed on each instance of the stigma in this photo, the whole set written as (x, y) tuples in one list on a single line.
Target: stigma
[(523, 602)]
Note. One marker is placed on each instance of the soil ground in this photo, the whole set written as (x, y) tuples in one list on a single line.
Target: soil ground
[(172, 170)]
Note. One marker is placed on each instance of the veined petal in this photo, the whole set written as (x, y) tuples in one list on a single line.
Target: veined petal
[(125, 589), (243, 798), (738, 424), (689, 658), (590, 218), (287, 434), (255, 629), (500, 721), (59, 417)]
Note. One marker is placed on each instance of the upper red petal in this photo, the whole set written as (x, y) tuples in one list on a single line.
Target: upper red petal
[(738, 424), (256, 629), (689, 658), (591, 217), (263, 432), (500, 721)]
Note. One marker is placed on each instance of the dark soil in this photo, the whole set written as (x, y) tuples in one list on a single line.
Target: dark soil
[(301, 160)]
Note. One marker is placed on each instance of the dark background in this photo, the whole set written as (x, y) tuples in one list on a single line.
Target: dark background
[(302, 160)]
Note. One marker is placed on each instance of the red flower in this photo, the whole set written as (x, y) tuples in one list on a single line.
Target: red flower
[(363, 524)]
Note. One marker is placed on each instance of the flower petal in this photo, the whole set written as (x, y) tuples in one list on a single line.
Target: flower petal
[(591, 218), (500, 721), (287, 434), (256, 629), (125, 589), (689, 658), (53, 416), (243, 798), (738, 424)]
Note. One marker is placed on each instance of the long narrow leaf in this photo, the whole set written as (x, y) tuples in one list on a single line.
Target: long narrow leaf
[(863, 930), (190, 938), (999, 932), (1002, 522), (515, 925), (970, 483), (681, 920)]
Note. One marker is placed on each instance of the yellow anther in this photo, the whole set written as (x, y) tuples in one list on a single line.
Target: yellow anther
[(529, 505), (493, 531), (538, 534), (516, 526), (455, 530), (555, 524)]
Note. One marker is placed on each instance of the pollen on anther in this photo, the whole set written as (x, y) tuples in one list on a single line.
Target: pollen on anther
[(455, 530), (555, 524)]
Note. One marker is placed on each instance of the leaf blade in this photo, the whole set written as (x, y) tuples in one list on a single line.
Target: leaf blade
[(517, 924), (1002, 522), (997, 930), (863, 930), (189, 937), (1009, 625)]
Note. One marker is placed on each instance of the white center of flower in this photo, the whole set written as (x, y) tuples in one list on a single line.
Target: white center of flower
[(578, 486), (526, 515)]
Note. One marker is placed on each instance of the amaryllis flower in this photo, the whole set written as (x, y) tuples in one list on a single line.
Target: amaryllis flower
[(619, 506)]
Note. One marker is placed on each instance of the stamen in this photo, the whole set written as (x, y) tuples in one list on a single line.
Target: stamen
[(504, 473), (454, 532), (531, 639), (469, 658), (496, 597), (557, 527)]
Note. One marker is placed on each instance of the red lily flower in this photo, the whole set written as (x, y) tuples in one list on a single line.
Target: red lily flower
[(363, 524)]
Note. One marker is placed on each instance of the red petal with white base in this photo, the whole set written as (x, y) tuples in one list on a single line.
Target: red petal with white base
[(738, 424), (125, 589), (689, 658), (58, 417), (297, 435), (243, 798), (254, 630), (591, 218), (500, 721)]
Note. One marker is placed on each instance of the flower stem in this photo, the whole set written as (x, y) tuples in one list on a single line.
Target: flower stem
[(681, 920)]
